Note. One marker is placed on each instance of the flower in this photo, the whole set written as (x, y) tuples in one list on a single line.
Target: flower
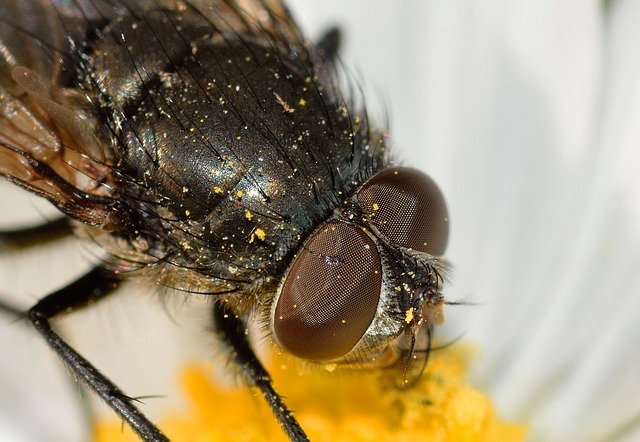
[(334, 407), (526, 114)]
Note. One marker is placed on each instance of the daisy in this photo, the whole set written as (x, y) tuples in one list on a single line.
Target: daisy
[(529, 122)]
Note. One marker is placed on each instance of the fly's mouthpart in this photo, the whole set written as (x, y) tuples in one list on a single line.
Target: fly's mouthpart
[(428, 307)]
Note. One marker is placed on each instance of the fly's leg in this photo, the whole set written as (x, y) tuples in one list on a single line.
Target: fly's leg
[(40, 234), (329, 44), (91, 287), (232, 332)]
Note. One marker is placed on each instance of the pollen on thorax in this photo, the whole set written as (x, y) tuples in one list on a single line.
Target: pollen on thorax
[(408, 316)]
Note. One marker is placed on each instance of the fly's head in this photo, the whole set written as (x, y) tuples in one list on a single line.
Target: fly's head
[(365, 288)]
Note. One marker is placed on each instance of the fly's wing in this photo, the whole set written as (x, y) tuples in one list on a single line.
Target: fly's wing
[(270, 16), (50, 139)]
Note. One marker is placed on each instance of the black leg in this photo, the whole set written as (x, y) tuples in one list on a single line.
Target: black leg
[(93, 286), (329, 44), (233, 333), (26, 237)]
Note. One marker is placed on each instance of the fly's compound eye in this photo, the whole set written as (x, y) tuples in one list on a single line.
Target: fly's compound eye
[(407, 207), (331, 294)]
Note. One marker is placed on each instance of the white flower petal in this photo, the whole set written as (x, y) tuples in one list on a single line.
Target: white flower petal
[(531, 127)]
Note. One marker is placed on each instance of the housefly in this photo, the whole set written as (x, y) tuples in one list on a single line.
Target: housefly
[(208, 146)]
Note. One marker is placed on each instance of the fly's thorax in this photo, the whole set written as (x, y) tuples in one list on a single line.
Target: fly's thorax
[(230, 147)]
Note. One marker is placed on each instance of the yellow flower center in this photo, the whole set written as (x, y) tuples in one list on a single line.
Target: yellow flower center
[(354, 406)]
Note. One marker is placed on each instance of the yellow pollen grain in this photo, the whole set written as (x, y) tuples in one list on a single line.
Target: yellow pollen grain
[(260, 234), (408, 316), (375, 207), (239, 193), (330, 367), (302, 102), (218, 190), (248, 214)]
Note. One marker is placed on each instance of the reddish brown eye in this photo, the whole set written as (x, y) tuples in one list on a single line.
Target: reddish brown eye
[(407, 207), (331, 294)]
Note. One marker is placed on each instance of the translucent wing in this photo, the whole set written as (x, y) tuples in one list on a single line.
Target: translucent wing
[(48, 142), (269, 15), (51, 139)]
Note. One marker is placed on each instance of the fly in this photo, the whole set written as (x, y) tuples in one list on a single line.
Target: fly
[(207, 145)]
